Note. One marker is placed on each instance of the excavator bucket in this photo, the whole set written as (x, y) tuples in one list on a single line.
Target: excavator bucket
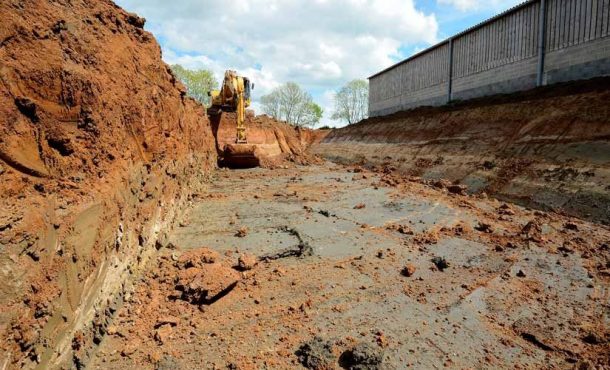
[(240, 156)]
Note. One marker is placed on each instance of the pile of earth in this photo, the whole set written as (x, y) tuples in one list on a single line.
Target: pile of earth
[(547, 148)]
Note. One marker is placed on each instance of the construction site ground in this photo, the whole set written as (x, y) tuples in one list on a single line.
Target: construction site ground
[(329, 266)]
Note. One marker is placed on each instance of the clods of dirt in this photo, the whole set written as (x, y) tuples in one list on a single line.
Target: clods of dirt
[(440, 263), (247, 262), (427, 238), (317, 354), (403, 229), (206, 284), (363, 356), (197, 258), (409, 270)]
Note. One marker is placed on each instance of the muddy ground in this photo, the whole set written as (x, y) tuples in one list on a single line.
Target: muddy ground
[(330, 267)]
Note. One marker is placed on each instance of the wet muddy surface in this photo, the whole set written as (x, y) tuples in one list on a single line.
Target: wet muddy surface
[(332, 267)]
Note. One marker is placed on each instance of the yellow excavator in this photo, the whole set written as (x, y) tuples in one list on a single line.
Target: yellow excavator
[(235, 96)]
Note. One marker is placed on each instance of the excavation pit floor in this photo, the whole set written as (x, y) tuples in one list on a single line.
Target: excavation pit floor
[(347, 258)]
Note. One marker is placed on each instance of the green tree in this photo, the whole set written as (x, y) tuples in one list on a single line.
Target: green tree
[(292, 104), (352, 102), (198, 82)]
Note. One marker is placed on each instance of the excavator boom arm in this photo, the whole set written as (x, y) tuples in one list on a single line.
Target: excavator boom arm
[(234, 96)]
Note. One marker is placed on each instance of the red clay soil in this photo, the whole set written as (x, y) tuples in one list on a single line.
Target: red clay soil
[(547, 148), (96, 140)]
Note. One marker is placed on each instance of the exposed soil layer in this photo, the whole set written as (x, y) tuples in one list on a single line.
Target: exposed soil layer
[(419, 277), (99, 150), (547, 148)]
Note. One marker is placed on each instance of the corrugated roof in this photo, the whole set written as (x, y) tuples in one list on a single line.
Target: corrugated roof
[(468, 30)]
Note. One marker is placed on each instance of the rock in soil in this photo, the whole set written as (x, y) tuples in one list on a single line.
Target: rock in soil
[(167, 320), (163, 333), (595, 338), (484, 228), (457, 189), (168, 363), (242, 232)]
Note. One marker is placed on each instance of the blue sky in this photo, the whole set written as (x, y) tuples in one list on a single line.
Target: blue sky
[(320, 44)]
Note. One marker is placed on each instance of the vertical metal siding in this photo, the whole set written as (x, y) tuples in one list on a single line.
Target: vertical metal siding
[(502, 41)]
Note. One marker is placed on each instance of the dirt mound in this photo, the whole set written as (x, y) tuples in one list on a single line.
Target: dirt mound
[(276, 142), (97, 140), (547, 148)]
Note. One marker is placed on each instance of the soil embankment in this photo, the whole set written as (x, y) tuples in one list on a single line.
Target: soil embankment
[(97, 145), (547, 148)]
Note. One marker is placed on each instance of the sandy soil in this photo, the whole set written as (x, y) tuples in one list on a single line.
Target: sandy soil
[(329, 267)]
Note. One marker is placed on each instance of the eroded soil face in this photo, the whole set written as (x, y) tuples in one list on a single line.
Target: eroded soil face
[(329, 267), (545, 148)]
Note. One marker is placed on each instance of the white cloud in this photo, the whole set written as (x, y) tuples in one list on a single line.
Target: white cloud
[(320, 44), (480, 5), (327, 102)]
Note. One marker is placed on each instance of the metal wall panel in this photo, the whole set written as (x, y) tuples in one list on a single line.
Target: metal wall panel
[(511, 38)]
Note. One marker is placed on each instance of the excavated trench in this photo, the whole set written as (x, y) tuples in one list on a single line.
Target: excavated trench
[(123, 245), (327, 260)]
